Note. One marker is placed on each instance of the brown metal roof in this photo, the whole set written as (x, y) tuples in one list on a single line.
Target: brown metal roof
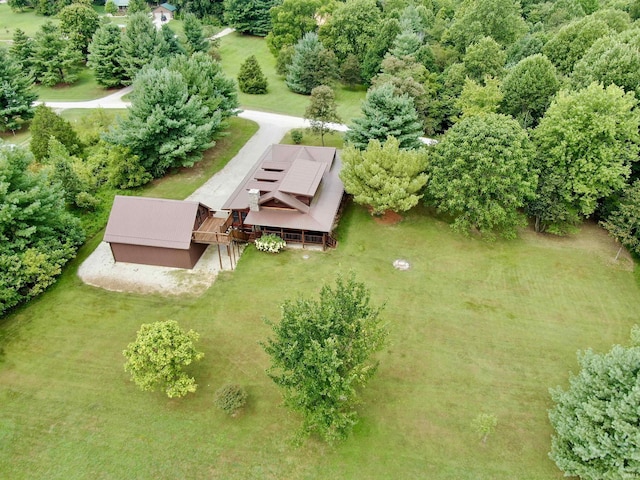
[(151, 222), (302, 177)]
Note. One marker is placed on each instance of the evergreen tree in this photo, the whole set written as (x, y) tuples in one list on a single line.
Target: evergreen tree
[(312, 65), (105, 56), (250, 77), (47, 124), (169, 44), (322, 110), (290, 21), (249, 16), (350, 71), (55, 60), (196, 41), (16, 94), (21, 49), (383, 176), (138, 6), (596, 418), (110, 7), (165, 127), (386, 115), (139, 45), (63, 170)]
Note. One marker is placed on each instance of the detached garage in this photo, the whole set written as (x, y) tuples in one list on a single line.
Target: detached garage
[(154, 231)]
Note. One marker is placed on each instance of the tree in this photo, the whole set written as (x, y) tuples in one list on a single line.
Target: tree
[(383, 176), (611, 60), (322, 110), (249, 16), (19, 5), (250, 77), (290, 21), (312, 65), (320, 353), (478, 99), (138, 6), (596, 418), (37, 235), (54, 59), (79, 22), (351, 28), (139, 45), (481, 174), (474, 19), (196, 40), (165, 126), (623, 223), (350, 71), (386, 114), (168, 43), (16, 94), (572, 41), (528, 89), (585, 145), (68, 171), (47, 124), (484, 424), (484, 57), (21, 49), (105, 56), (377, 48), (110, 7), (156, 359)]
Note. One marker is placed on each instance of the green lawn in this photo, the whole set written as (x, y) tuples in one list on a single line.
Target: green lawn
[(235, 48), (475, 327), (85, 88), (26, 21), (330, 139)]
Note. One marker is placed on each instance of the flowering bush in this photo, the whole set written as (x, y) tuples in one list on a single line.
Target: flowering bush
[(270, 243)]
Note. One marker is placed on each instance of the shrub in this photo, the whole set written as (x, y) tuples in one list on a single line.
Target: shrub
[(230, 398), (296, 136), (250, 78), (270, 243)]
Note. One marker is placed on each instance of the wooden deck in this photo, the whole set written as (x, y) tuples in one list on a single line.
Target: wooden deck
[(214, 230)]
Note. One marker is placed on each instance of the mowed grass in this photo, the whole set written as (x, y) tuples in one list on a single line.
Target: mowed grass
[(26, 21), (234, 50), (474, 327), (85, 88)]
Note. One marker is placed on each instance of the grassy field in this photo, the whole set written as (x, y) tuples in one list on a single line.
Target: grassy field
[(235, 48), (330, 140), (85, 88), (27, 21), (475, 327)]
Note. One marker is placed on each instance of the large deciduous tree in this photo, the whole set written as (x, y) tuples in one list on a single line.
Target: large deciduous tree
[(585, 145), (312, 65), (383, 176), (484, 57), (156, 359), (79, 22), (623, 223), (528, 89), (37, 235), (474, 19), (351, 28), (105, 56), (386, 114), (165, 127), (249, 16), (16, 94), (322, 110), (596, 419), (290, 21), (481, 174), (321, 352)]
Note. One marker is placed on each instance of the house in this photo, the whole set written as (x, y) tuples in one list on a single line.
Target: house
[(164, 12), (293, 191), (121, 4), (170, 233)]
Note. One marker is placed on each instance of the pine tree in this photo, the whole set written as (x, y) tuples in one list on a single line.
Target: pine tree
[(383, 176), (22, 49), (168, 43), (16, 94), (312, 65), (105, 56), (165, 127), (386, 114), (54, 58), (196, 41), (139, 45), (46, 124), (250, 77)]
